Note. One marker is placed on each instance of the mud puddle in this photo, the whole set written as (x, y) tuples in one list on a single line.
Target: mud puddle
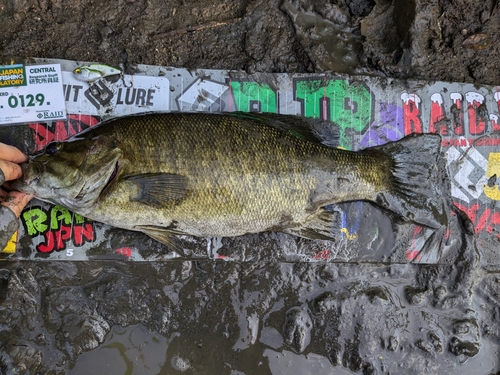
[(130, 350), (247, 318), (370, 324), (334, 319)]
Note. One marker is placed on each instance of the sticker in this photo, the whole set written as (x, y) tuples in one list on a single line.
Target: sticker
[(126, 96), (12, 75), (492, 173), (10, 248), (31, 93)]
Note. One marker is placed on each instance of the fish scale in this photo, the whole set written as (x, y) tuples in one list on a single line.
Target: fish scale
[(231, 178)]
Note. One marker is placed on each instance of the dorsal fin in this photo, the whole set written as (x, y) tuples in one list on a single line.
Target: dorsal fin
[(308, 129)]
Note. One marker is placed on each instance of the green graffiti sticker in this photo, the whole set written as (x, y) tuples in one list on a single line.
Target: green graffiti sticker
[(254, 97), (347, 105)]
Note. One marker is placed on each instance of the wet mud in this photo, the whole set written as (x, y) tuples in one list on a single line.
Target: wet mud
[(431, 40), (258, 315), (221, 317)]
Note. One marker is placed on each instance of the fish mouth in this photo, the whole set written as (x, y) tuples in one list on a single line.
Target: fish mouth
[(26, 184)]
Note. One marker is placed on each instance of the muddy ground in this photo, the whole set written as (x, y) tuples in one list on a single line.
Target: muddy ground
[(261, 317)]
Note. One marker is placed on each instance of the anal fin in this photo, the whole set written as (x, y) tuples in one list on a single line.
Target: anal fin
[(163, 235), (319, 227)]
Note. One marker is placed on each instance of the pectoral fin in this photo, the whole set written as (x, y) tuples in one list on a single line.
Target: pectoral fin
[(163, 235), (158, 189)]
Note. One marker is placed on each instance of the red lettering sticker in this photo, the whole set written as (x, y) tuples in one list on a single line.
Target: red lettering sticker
[(44, 133), (125, 251), (322, 255), (411, 113), (457, 113), (414, 253), (58, 227), (436, 123), (477, 124), (494, 122)]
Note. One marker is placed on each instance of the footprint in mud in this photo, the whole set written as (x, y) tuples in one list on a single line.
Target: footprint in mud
[(415, 296), (392, 343), (466, 341), (297, 329), (432, 344), (463, 348)]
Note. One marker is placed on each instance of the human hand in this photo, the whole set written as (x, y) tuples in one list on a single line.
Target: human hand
[(10, 157)]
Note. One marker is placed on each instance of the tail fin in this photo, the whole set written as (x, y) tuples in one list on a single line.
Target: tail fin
[(418, 191)]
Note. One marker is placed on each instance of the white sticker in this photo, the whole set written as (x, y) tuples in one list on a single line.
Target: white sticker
[(31, 93), (128, 95)]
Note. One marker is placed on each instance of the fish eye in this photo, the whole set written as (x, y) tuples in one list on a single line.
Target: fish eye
[(77, 71), (52, 148)]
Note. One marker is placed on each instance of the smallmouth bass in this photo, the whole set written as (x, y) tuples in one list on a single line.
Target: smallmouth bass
[(224, 175)]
